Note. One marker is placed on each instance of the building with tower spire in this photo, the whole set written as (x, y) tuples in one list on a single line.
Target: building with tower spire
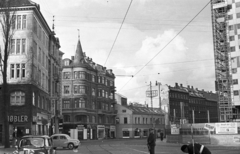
[(88, 98)]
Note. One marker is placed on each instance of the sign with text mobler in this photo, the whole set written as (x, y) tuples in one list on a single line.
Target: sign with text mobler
[(18, 118)]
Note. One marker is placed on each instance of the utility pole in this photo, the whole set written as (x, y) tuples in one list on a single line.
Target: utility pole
[(151, 96), (159, 93)]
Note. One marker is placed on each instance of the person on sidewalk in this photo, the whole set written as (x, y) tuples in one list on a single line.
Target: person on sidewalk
[(161, 135), (151, 141), (198, 149)]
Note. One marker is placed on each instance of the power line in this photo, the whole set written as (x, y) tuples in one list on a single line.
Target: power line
[(169, 42), (118, 32), (164, 63)]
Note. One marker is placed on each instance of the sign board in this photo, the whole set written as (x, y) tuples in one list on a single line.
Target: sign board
[(236, 138), (209, 127), (174, 129), (226, 128), (152, 93)]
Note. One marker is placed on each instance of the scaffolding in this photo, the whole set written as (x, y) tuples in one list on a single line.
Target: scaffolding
[(222, 59)]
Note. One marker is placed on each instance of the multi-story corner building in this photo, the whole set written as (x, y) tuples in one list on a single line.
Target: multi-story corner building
[(135, 122), (189, 105), (34, 59), (88, 98), (226, 35)]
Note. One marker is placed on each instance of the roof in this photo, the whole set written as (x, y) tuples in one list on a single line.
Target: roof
[(144, 110), (44, 136), (19, 3)]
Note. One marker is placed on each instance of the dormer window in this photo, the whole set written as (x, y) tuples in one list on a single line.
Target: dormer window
[(66, 63)]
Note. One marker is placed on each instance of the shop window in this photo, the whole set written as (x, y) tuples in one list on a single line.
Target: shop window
[(126, 134), (137, 132), (17, 98)]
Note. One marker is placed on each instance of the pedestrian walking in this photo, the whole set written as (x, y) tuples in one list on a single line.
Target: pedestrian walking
[(161, 135), (151, 141), (196, 149)]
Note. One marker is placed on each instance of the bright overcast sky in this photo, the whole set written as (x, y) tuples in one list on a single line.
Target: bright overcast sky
[(148, 27)]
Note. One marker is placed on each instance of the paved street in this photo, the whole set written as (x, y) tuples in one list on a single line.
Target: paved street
[(131, 146)]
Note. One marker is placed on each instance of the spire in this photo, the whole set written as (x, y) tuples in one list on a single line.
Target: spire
[(79, 57)]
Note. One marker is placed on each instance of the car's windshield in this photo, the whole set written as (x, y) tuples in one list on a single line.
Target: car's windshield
[(32, 142)]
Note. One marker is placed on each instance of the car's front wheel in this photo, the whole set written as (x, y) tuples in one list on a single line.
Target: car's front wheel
[(70, 146)]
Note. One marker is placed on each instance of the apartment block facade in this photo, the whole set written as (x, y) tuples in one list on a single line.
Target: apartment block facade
[(88, 97), (34, 58), (226, 36)]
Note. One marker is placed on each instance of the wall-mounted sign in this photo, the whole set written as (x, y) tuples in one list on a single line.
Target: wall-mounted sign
[(226, 128), (174, 129), (18, 118), (209, 127)]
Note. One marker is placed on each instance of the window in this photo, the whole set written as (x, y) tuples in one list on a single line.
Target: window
[(12, 46), (231, 38), (93, 78), (18, 70), (18, 21), (93, 106), (230, 27), (66, 104), (23, 46), (66, 118), (24, 21), (80, 103), (33, 98), (17, 98), (232, 49), (66, 75), (235, 92), (93, 119), (79, 89), (126, 133), (238, 15), (66, 89), (235, 81), (230, 17), (82, 75), (237, 4), (234, 70), (18, 47), (125, 120), (66, 62), (99, 79), (93, 92), (13, 21)]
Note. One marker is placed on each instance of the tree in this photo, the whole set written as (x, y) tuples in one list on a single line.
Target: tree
[(6, 21)]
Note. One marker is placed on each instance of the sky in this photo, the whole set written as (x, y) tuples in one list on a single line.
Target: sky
[(143, 48)]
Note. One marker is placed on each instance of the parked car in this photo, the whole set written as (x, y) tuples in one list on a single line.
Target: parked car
[(64, 141), (33, 144)]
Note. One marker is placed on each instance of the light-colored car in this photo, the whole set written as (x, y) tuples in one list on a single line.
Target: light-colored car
[(64, 141)]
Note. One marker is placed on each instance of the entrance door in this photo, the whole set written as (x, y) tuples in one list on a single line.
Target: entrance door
[(80, 134)]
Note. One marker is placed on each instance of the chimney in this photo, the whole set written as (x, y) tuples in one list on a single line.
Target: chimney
[(197, 89), (72, 57), (176, 84), (180, 85), (192, 87), (188, 87)]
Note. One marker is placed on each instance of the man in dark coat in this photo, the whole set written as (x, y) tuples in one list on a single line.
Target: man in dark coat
[(198, 149), (151, 141)]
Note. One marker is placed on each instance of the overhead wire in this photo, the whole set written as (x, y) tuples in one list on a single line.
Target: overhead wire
[(118, 31), (167, 43)]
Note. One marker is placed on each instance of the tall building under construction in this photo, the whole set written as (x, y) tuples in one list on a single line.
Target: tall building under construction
[(226, 40)]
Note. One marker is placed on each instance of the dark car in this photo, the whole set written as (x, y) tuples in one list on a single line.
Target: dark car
[(33, 144)]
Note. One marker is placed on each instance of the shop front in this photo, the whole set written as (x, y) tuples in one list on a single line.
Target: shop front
[(40, 124), (107, 132), (112, 131), (126, 132), (19, 125), (137, 133), (100, 131)]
